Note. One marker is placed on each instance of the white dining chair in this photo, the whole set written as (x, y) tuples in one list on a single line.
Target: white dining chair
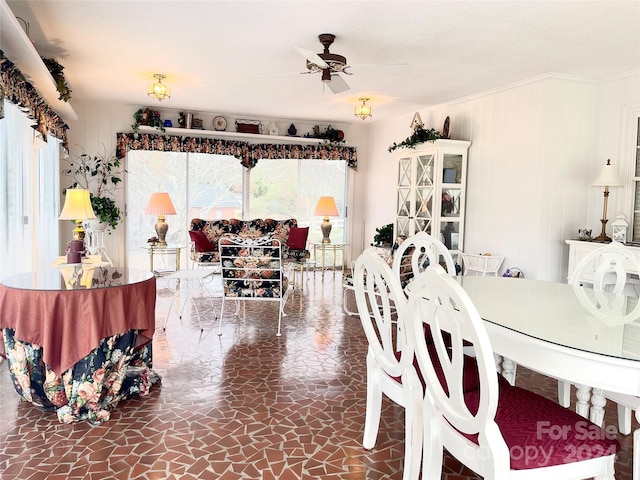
[(499, 431), (606, 273), (416, 253), (380, 300)]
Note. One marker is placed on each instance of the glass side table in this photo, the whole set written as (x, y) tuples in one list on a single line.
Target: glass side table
[(322, 248), (171, 249)]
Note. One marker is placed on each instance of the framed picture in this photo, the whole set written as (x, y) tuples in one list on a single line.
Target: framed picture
[(449, 175)]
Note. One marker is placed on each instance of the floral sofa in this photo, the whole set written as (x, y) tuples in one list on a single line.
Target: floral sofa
[(205, 235)]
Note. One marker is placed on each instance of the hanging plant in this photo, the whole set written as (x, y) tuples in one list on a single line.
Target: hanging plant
[(148, 117), (420, 135), (55, 69)]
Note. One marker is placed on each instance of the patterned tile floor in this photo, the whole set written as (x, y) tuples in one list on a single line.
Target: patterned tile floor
[(246, 405)]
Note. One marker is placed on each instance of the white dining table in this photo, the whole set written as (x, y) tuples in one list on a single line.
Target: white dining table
[(545, 327)]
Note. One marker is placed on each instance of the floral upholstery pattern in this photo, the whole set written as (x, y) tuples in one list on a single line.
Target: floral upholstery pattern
[(251, 229), (251, 268), (89, 390)]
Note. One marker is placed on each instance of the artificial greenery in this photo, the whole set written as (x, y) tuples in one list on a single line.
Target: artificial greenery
[(148, 117), (100, 174), (55, 69), (332, 135), (384, 235), (420, 135)]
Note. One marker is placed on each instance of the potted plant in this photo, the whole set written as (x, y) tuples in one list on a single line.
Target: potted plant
[(148, 117), (384, 236), (100, 174)]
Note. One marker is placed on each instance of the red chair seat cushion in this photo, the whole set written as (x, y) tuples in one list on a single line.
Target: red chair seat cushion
[(539, 432)]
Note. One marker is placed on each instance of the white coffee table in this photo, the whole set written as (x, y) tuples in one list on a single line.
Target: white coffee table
[(184, 278)]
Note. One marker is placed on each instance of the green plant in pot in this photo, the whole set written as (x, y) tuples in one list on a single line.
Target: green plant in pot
[(148, 117), (100, 174), (384, 235)]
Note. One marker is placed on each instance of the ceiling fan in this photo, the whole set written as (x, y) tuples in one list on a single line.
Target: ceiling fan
[(327, 63)]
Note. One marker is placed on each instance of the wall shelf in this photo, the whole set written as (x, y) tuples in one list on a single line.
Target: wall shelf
[(245, 137), (18, 48)]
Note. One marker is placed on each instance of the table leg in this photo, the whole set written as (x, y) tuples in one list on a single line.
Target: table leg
[(596, 414), (151, 259), (509, 370), (177, 259), (583, 394)]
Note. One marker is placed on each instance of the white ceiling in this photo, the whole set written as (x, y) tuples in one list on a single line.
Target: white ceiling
[(237, 57)]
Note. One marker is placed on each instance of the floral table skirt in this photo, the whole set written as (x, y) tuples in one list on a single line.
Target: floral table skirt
[(89, 390)]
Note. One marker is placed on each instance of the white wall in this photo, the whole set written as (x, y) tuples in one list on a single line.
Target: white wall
[(536, 147)]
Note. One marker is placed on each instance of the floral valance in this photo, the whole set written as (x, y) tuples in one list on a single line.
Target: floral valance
[(247, 153), (20, 92)]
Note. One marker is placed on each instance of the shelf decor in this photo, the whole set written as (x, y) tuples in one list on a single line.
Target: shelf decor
[(147, 117), (420, 135)]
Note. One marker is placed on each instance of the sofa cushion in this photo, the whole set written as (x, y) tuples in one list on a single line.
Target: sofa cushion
[(201, 241), (298, 238)]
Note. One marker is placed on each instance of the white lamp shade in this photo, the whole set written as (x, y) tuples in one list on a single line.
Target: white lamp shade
[(160, 204), (77, 205), (326, 207), (608, 177)]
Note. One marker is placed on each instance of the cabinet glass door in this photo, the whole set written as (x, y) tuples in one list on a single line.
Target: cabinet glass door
[(403, 209), (451, 169), (450, 234), (423, 195)]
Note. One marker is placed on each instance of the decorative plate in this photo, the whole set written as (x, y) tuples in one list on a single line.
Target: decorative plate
[(220, 123)]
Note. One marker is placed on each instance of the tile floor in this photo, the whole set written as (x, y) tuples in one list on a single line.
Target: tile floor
[(246, 405)]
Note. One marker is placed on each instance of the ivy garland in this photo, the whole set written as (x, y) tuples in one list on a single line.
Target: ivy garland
[(55, 69), (420, 135)]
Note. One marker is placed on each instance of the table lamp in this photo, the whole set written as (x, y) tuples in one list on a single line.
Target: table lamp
[(607, 178), (326, 207), (77, 207), (160, 204)]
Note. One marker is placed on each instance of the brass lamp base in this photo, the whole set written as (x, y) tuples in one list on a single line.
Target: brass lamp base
[(78, 232), (326, 230), (162, 228)]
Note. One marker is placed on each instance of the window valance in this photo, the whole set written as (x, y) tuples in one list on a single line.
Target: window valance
[(19, 91), (247, 153)]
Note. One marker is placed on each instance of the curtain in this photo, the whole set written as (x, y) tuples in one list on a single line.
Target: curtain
[(29, 195)]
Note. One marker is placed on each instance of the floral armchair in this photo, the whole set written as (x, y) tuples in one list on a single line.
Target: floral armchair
[(205, 235), (252, 270)]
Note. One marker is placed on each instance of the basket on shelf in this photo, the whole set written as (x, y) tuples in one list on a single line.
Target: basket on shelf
[(484, 264)]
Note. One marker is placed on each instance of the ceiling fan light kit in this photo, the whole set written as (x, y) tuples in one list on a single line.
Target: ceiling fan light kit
[(330, 64), (158, 89), (363, 111)]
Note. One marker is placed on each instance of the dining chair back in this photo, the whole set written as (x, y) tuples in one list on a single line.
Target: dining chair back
[(381, 302), (416, 253), (499, 431), (611, 272)]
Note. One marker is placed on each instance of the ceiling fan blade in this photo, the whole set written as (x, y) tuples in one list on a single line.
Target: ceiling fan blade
[(337, 84), (311, 57)]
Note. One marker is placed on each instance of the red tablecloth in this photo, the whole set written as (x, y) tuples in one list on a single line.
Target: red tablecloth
[(69, 324)]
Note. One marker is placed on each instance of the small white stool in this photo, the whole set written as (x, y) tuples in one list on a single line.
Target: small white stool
[(187, 275)]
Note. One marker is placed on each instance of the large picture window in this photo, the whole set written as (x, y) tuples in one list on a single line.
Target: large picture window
[(213, 186)]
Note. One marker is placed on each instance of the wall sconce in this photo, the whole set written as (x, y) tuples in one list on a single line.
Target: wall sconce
[(160, 204), (607, 178), (327, 208), (159, 90), (363, 111)]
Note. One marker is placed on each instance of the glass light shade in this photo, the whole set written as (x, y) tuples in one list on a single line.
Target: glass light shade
[(159, 90), (326, 207), (363, 111), (608, 177), (160, 204), (77, 205)]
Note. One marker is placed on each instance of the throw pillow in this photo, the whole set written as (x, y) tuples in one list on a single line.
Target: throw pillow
[(298, 238), (202, 242)]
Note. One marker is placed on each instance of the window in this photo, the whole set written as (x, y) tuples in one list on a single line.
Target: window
[(213, 187), (636, 179)]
